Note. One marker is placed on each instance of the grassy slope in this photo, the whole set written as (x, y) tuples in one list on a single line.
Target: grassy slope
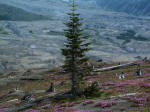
[(16, 14)]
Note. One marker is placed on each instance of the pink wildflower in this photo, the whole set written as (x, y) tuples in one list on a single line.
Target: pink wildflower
[(88, 102), (108, 110), (68, 104), (106, 104), (84, 111), (146, 84), (142, 100), (31, 110), (3, 109)]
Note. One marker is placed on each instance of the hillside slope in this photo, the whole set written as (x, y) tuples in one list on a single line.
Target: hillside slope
[(136, 7), (57, 7), (128, 95), (8, 12), (115, 36)]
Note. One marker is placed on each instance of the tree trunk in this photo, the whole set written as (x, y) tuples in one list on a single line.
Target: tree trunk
[(73, 88), (51, 88)]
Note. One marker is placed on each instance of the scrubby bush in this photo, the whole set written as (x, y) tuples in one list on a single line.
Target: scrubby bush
[(92, 91)]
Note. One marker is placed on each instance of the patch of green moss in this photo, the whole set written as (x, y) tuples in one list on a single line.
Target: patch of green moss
[(53, 70), (68, 99), (134, 105)]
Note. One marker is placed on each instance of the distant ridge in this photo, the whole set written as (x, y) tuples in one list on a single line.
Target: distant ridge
[(12, 13), (136, 7)]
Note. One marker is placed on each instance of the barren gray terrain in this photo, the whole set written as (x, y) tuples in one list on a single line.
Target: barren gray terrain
[(36, 44)]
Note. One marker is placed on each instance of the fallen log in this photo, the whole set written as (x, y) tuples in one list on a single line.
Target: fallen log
[(125, 95), (45, 106), (10, 102), (20, 108), (31, 79), (31, 103), (114, 67)]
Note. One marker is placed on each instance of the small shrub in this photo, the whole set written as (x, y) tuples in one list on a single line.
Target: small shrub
[(65, 98), (92, 91), (135, 105), (107, 94), (5, 33), (31, 31), (53, 70)]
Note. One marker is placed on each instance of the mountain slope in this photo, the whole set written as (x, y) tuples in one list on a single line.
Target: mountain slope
[(42, 7), (58, 7), (8, 12), (36, 44), (136, 7)]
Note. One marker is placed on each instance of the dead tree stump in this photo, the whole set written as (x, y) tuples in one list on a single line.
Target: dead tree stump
[(26, 97), (51, 88)]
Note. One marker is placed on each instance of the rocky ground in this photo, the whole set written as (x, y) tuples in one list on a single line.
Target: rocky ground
[(131, 94), (114, 37)]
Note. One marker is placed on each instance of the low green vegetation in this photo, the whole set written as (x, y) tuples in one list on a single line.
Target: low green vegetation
[(55, 33), (100, 91), (30, 31), (2, 31), (130, 35), (92, 91)]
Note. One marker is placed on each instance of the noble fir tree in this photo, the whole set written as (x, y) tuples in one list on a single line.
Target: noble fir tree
[(75, 50)]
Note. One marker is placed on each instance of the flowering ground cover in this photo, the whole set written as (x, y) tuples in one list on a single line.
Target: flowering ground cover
[(106, 104), (131, 94), (3, 109)]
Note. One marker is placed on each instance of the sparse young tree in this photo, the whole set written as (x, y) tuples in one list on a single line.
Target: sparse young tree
[(75, 49)]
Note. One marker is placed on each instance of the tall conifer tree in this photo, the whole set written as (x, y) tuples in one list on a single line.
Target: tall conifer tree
[(75, 49)]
